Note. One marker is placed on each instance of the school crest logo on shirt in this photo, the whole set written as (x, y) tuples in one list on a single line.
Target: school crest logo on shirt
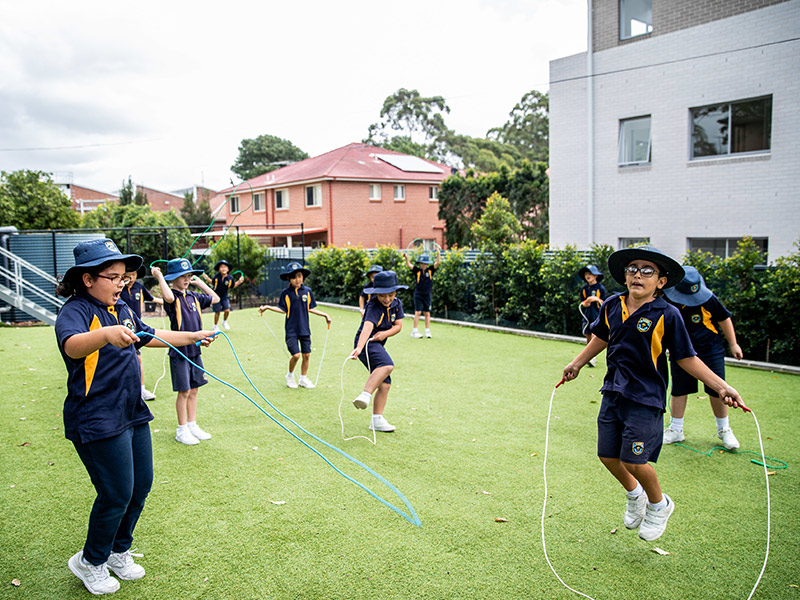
[(129, 324), (695, 318), (304, 297), (637, 448), (644, 325), (137, 295)]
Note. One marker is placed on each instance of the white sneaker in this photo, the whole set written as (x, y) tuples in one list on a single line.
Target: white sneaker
[(148, 395), (95, 578), (428, 333), (655, 521), (634, 511), (380, 424), (728, 439), (216, 328), (184, 436), (198, 433), (226, 326), (416, 334), (305, 382), (671, 436), (123, 566), (362, 400), (290, 382)]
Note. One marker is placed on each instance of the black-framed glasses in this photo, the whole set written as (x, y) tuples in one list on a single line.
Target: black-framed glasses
[(645, 272), (116, 279)]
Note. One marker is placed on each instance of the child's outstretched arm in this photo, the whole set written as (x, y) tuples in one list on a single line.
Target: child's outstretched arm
[(698, 369), (321, 314), (180, 338), (366, 332), (592, 349), (166, 292), (408, 262), (438, 259), (82, 345), (206, 277), (265, 307), (239, 281), (730, 335)]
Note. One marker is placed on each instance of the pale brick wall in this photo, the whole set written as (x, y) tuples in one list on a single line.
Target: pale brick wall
[(674, 198)]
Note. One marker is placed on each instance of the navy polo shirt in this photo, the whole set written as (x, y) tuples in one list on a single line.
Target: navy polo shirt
[(185, 314), (702, 323), (367, 297), (135, 297), (423, 279), (636, 357), (222, 284), (381, 317), (296, 303), (599, 290), (104, 397)]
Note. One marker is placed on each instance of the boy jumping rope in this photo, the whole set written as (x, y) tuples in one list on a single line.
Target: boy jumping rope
[(296, 302), (636, 327), (423, 276), (222, 283), (592, 296), (184, 309), (383, 318), (705, 317)]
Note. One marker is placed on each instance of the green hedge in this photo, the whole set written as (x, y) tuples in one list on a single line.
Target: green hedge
[(530, 286)]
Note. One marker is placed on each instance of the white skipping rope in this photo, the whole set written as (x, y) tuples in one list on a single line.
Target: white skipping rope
[(544, 504), (324, 347)]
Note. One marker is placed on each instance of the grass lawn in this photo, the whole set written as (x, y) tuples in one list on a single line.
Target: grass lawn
[(470, 408)]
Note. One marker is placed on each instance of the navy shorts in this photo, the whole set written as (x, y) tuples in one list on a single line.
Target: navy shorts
[(684, 384), (223, 304), (422, 302), (186, 376), (629, 431), (378, 357), (298, 344)]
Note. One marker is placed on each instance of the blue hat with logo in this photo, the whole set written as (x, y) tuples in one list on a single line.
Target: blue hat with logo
[(97, 252), (691, 291), (424, 259), (667, 266), (292, 268), (591, 269), (385, 282), (179, 266)]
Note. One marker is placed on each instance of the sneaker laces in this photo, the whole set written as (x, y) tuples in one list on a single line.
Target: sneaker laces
[(125, 558), (98, 572)]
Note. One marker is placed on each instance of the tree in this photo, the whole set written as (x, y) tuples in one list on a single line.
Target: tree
[(528, 128), (497, 226), (30, 200), (197, 215), (264, 154), (243, 253)]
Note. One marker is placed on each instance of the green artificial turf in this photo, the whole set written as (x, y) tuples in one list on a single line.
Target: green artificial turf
[(252, 513)]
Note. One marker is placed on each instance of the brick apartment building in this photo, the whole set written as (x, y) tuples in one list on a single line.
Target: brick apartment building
[(356, 195), (85, 199), (679, 126)]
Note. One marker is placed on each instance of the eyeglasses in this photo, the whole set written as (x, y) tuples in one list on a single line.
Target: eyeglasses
[(117, 279), (645, 272)]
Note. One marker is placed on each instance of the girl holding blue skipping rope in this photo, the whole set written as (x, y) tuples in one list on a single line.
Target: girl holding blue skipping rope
[(105, 417)]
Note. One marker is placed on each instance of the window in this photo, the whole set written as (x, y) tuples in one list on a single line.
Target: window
[(635, 18), (374, 191), (634, 141), (724, 247), (281, 199), (433, 193), (313, 195), (632, 242), (233, 204), (399, 192), (258, 202), (732, 128)]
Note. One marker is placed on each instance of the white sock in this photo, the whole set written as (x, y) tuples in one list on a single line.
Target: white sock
[(191, 423), (676, 424), (225, 322), (290, 373), (427, 330), (722, 423), (143, 389), (660, 505), (183, 427), (635, 493), (415, 330), (377, 417)]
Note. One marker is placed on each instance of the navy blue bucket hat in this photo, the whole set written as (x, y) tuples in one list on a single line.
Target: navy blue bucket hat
[(97, 252), (292, 268), (691, 291), (667, 266), (222, 262), (179, 266), (374, 269), (593, 270), (424, 259), (385, 282)]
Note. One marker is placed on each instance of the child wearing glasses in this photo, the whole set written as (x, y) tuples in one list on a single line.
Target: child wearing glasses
[(104, 415), (636, 327), (184, 309), (592, 296), (134, 294)]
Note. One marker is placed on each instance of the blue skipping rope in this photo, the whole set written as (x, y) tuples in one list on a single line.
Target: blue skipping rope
[(410, 516)]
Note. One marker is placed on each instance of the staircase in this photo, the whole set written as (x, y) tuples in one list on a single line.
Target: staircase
[(22, 293)]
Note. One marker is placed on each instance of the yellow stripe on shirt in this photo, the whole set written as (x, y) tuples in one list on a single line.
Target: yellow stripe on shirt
[(90, 362), (707, 320), (655, 341)]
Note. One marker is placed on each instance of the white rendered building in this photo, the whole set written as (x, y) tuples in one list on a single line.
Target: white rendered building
[(680, 127)]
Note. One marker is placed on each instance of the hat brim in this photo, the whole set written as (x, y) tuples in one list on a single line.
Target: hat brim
[(621, 258), (289, 275), (222, 262), (132, 263), (386, 290), (696, 299), (173, 276)]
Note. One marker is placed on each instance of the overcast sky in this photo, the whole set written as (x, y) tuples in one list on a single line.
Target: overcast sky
[(165, 91)]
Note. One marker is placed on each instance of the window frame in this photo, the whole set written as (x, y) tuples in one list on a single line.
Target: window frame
[(373, 187), (401, 188), (627, 141), (631, 242), (731, 127), (259, 195), (622, 21), (284, 192), (317, 195), (731, 245), (433, 193), (234, 200)]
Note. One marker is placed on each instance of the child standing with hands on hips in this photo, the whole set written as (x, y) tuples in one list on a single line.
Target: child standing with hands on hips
[(221, 284), (422, 273), (383, 318), (296, 302), (637, 327), (105, 416), (184, 309)]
